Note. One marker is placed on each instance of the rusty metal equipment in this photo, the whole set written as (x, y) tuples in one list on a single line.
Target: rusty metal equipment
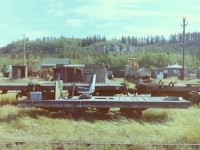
[(134, 74), (33, 68), (187, 91), (78, 104)]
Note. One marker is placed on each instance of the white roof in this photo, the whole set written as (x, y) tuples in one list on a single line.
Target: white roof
[(174, 66), (74, 65), (54, 61)]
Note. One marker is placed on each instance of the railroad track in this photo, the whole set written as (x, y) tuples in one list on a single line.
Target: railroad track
[(61, 145)]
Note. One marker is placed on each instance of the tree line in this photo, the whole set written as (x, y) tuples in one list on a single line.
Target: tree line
[(55, 45), (152, 51), (142, 41)]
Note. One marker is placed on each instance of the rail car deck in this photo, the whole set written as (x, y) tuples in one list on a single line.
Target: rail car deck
[(109, 102), (155, 89), (128, 105), (102, 88)]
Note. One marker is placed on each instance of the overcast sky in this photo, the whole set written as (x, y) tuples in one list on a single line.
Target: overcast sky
[(81, 18)]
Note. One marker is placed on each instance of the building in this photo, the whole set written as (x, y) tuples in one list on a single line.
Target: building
[(169, 71), (19, 72), (80, 73), (49, 64), (52, 62)]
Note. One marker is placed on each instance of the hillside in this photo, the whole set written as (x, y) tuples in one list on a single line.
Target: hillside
[(151, 51)]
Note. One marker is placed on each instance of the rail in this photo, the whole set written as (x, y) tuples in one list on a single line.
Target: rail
[(62, 144)]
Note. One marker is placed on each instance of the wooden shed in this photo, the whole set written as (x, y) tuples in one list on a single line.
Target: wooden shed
[(69, 73), (19, 72), (80, 73), (170, 71)]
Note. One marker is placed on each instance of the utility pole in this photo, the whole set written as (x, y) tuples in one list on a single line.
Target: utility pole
[(24, 58), (183, 70)]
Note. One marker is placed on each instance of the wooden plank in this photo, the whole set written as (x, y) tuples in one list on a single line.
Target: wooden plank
[(147, 98), (138, 99), (158, 99), (103, 102)]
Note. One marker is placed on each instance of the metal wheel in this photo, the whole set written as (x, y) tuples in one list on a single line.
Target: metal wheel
[(131, 112)]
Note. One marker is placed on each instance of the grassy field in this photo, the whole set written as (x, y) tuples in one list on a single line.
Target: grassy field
[(39, 128)]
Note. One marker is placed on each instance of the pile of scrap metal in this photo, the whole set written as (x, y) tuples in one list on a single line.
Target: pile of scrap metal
[(134, 74), (190, 92), (7, 71), (78, 105)]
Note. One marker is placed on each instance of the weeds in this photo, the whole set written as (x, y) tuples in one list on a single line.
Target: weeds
[(156, 126), (40, 127)]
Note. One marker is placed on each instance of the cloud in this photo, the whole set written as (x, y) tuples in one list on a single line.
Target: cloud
[(118, 10), (140, 31), (109, 11), (56, 8), (104, 17), (37, 34), (193, 18), (74, 23), (101, 10)]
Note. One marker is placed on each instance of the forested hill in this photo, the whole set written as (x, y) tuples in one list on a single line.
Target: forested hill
[(116, 51), (51, 45)]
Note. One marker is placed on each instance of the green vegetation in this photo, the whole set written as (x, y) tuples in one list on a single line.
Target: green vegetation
[(158, 126), (116, 53), (9, 99), (40, 127)]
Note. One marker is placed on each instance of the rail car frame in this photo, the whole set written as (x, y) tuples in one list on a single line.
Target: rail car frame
[(128, 105)]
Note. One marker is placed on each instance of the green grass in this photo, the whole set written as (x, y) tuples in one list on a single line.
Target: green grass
[(165, 81), (40, 127), (158, 126), (9, 98), (178, 81)]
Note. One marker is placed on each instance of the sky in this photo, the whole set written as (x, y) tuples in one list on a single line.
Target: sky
[(82, 18)]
